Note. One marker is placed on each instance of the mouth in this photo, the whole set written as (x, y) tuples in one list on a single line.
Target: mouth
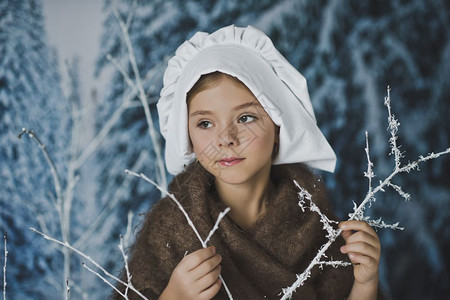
[(230, 161)]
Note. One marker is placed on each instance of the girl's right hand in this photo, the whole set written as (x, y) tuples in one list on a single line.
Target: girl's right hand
[(195, 277)]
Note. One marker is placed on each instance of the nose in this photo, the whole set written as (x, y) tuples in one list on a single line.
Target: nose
[(228, 136)]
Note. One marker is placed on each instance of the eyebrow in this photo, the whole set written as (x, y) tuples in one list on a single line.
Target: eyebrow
[(236, 108)]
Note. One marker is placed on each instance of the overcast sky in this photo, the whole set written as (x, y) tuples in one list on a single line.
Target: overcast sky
[(74, 29)]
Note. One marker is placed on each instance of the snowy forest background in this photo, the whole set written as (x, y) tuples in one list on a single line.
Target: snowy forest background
[(349, 51)]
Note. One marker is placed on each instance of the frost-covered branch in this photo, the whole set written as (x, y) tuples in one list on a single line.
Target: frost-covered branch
[(358, 210), (188, 219), (305, 195), (333, 263), (393, 129), (331, 235), (379, 223), (5, 238), (369, 174)]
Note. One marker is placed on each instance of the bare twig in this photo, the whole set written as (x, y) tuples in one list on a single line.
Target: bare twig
[(216, 225), (53, 170), (76, 288), (131, 14), (171, 196), (5, 238), (161, 175), (129, 228), (122, 71), (60, 199), (125, 259), (67, 289), (68, 246), (203, 242), (105, 281)]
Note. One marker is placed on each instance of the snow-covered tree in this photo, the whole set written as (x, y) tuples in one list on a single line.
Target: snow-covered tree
[(29, 93)]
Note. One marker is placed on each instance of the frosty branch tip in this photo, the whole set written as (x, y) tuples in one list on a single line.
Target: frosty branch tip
[(358, 211)]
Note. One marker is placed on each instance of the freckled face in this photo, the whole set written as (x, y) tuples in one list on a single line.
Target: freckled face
[(231, 134)]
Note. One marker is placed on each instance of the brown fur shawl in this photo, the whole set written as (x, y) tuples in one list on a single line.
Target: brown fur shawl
[(256, 264)]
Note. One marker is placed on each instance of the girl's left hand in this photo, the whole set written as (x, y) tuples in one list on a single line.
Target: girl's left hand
[(363, 248)]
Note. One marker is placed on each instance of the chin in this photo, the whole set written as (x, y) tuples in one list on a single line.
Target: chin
[(237, 176), (231, 178), (230, 175)]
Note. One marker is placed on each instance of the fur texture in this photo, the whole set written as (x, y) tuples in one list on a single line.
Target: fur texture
[(256, 264)]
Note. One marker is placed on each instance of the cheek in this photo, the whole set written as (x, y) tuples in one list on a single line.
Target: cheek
[(193, 139), (265, 139), (199, 140)]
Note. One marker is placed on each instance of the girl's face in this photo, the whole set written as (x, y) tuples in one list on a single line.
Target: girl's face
[(231, 134)]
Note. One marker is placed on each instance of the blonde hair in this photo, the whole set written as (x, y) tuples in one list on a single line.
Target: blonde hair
[(207, 81)]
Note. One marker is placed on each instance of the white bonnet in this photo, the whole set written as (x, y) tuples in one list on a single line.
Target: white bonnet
[(249, 55)]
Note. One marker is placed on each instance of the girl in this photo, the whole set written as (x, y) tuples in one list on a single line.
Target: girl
[(239, 128)]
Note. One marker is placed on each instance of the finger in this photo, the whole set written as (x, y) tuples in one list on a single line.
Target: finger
[(206, 266), (212, 291), (364, 237), (209, 279), (357, 226), (364, 260), (346, 234), (361, 248), (194, 259)]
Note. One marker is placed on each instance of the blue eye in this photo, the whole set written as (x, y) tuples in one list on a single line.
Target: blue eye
[(204, 124), (246, 119)]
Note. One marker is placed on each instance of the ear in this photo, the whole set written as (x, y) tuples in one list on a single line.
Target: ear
[(276, 144), (277, 134)]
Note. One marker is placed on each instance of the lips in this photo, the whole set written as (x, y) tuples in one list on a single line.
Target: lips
[(230, 161)]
